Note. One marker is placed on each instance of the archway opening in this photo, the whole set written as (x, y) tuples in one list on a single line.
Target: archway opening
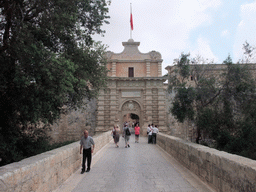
[(135, 119), (131, 120)]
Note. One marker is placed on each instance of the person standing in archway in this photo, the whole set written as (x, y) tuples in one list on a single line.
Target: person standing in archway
[(137, 132)]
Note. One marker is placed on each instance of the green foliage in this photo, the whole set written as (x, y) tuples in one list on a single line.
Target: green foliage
[(181, 73), (224, 107), (48, 60), (183, 104), (183, 65)]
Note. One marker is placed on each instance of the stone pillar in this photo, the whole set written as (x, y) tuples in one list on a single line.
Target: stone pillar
[(162, 110), (147, 67), (159, 68), (100, 114), (155, 114), (113, 106), (148, 102), (114, 68)]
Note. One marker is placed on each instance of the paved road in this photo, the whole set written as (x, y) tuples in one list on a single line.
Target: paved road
[(142, 167)]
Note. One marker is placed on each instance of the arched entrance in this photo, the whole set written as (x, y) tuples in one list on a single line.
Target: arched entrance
[(130, 107)]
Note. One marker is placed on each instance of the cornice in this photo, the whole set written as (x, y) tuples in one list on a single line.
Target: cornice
[(137, 78), (135, 61)]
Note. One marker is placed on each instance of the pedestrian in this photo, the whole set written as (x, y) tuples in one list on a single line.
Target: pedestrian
[(113, 134), (137, 132), (126, 135), (154, 133), (116, 135), (88, 145), (149, 131)]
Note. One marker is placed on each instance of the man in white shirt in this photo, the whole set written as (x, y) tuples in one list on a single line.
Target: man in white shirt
[(88, 145), (149, 132), (154, 133)]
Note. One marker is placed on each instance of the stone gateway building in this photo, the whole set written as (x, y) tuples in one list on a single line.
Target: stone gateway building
[(135, 86)]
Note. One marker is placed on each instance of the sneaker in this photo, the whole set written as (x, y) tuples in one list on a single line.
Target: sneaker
[(128, 145), (125, 146), (88, 170), (82, 172)]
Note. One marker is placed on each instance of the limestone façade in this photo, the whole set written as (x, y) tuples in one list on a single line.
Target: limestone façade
[(143, 93)]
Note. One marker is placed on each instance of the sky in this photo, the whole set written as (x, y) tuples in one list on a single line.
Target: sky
[(212, 29)]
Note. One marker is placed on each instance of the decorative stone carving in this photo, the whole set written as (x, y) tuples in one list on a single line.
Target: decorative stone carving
[(131, 106), (155, 55), (109, 54), (130, 84)]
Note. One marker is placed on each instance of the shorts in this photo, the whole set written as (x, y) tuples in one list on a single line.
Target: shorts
[(137, 135)]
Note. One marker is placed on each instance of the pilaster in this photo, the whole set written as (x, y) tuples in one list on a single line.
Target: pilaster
[(147, 68), (114, 68), (159, 68)]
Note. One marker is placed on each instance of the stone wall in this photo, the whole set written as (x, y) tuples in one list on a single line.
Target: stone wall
[(46, 171), (71, 125), (221, 170)]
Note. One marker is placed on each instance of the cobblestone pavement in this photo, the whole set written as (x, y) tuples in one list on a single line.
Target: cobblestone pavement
[(142, 167)]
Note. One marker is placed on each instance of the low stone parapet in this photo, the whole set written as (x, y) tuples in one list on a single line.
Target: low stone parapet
[(221, 170), (46, 171)]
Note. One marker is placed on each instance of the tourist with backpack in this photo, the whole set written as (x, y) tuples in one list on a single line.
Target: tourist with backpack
[(126, 135)]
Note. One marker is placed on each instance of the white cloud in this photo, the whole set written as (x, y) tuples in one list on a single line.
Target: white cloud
[(203, 49), (245, 30), (225, 33), (164, 26)]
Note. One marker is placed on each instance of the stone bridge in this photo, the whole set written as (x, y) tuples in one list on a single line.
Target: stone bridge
[(171, 165)]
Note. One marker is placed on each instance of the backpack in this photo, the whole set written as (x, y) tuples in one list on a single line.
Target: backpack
[(127, 132)]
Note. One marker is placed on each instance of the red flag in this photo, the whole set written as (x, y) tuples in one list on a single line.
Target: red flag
[(131, 22)]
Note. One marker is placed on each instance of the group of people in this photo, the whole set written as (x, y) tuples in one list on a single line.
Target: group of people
[(126, 133), (152, 133), (87, 144)]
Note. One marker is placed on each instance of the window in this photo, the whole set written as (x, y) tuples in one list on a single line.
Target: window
[(130, 72)]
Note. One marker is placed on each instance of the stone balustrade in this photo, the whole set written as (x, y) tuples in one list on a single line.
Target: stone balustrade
[(46, 171), (221, 170)]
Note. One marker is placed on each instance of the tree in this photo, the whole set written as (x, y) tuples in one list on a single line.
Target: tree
[(249, 52), (222, 107), (48, 60), (194, 88)]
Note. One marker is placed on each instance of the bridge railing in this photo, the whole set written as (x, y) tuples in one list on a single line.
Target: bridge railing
[(221, 170), (46, 171)]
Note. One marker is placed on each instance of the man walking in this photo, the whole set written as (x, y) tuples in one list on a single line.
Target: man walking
[(88, 145)]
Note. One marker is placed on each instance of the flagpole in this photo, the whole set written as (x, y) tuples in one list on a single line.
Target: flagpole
[(131, 22)]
